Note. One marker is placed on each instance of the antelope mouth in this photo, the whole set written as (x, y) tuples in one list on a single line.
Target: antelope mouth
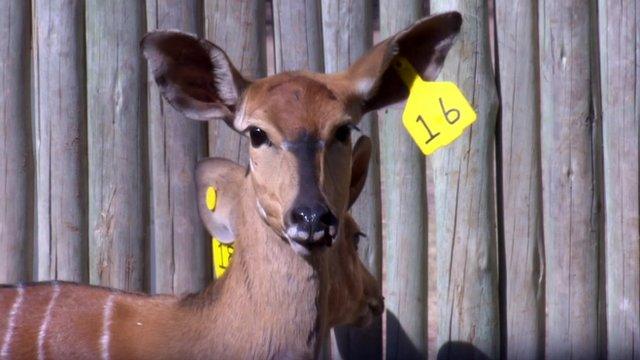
[(304, 243)]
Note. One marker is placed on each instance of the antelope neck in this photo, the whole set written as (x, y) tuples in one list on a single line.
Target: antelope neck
[(270, 293)]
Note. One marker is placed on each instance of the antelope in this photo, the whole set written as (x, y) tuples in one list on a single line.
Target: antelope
[(293, 206), (66, 320)]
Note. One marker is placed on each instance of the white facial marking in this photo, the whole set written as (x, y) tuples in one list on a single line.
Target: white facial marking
[(11, 327), (42, 334), (292, 231), (261, 211), (318, 235), (364, 86), (303, 234), (105, 339), (299, 249), (332, 230)]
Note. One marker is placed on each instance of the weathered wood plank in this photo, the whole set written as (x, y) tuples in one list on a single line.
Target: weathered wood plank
[(619, 25), (347, 27), (238, 27), (60, 139), (116, 102), (16, 162), (402, 174), (178, 245), (569, 191), (297, 27), (521, 187), (464, 181)]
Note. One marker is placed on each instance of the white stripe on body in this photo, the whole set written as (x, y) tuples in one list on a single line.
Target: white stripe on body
[(105, 339), (11, 324), (45, 322)]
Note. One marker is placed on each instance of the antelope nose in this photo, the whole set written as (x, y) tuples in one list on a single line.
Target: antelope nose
[(316, 222)]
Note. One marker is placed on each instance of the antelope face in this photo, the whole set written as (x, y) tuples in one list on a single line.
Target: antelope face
[(355, 297), (300, 156), (299, 123)]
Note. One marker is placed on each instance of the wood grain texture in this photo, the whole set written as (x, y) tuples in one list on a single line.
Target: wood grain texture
[(60, 142), (297, 27), (180, 261), (570, 200), (619, 36), (464, 181), (116, 103), (517, 50), (347, 27), (403, 198), (16, 159), (238, 27)]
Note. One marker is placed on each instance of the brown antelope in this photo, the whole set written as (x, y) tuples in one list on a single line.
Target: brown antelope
[(65, 320), (353, 293), (293, 205)]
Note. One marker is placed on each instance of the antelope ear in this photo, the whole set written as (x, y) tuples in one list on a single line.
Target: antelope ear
[(424, 44), (225, 178), (194, 75), (359, 167)]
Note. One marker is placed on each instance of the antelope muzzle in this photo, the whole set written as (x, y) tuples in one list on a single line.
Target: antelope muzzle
[(311, 226)]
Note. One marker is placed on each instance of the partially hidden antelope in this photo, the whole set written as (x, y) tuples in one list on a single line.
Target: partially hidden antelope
[(293, 207), (59, 320)]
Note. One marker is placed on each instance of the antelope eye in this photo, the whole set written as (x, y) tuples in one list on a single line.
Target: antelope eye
[(343, 133), (258, 137)]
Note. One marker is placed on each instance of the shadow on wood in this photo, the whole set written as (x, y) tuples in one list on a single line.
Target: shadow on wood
[(460, 350), (399, 345), (350, 341)]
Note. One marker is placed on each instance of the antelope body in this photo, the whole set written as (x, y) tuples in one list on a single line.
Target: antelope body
[(249, 313), (287, 284)]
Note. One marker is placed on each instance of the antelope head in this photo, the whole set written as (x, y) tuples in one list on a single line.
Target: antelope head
[(354, 294), (299, 123)]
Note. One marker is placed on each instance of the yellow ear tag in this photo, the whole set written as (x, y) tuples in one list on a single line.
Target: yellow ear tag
[(436, 112), (221, 253)]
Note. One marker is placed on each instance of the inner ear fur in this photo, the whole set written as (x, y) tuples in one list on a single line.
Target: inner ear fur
[(194, 75), (228, 179), (359, 167), (424, 44)]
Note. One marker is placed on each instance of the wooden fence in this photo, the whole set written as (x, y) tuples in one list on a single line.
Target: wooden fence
[(521, 239)]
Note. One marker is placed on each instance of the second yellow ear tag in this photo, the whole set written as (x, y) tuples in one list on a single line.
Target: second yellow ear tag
[(436, 112), (221, 253)]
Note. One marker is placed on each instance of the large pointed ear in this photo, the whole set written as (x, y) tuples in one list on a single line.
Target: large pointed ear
[(424, 44), (359, 167), (219, 182), (194, 75)]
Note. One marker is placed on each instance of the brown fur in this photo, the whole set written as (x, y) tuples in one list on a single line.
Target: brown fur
[(274, 302)]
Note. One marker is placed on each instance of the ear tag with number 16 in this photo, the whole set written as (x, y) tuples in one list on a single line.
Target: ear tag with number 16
[(436, 112)]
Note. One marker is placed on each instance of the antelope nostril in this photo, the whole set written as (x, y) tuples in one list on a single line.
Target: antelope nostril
[(298, 216)]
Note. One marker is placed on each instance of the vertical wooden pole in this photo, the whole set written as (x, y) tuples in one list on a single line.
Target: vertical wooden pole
[(347, 27), (517, 67), (402, 174), (16, 163), (297, 27), (463, 176), (619, 39), (178, 245), (60, 139), (238, 27), (116, 102), (570, 211)]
